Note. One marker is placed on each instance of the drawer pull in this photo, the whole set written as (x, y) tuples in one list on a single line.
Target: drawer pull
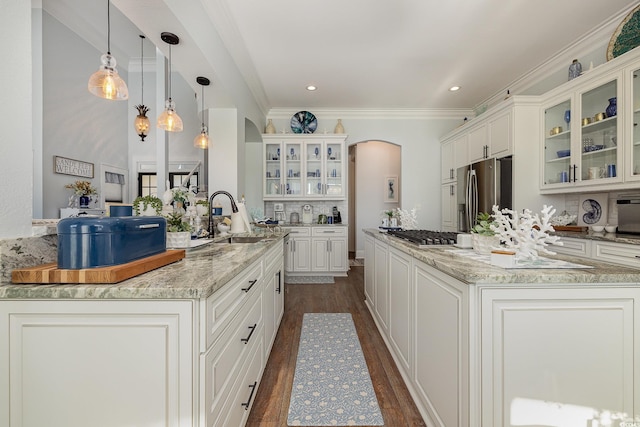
[(253, 389), (279, 288), (637, 256), (251, 283), (246, 340)]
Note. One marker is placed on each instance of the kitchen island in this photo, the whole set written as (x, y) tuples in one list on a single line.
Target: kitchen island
[(479, 345), (183, 345)]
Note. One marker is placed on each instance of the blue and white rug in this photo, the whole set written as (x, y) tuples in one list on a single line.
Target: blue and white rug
[(331, 384)]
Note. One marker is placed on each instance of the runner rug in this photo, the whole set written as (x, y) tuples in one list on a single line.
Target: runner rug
[(331, 384)]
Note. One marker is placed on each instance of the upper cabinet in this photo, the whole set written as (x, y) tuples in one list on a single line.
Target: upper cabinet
[(581, 131), (591, 140), (304, 167)]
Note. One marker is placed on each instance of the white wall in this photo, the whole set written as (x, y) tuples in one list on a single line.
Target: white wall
[(16, 157), (375, 160), (76, 124)]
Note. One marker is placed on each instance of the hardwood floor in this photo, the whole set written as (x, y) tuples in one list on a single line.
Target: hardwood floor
[(345, 296)]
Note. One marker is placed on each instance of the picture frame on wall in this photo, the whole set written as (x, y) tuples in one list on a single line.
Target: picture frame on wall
[(391, 189), (592, 209)]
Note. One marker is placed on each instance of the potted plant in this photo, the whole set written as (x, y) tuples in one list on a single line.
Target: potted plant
[(83, 190), (178, 231), (483, 237), (147, 206), (387, 222)]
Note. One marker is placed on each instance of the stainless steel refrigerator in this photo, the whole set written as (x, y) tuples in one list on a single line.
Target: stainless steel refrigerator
[(482, 185)]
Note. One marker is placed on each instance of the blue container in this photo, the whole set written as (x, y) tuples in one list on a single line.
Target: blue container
[(91, 242)]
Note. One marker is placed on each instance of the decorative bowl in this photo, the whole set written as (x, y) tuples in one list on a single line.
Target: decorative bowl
[(597, 228), (588, 148), (563, 219), (610, 228), (563, 153)]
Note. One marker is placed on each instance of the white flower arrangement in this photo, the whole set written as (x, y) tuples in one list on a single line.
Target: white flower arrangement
[(178, 194), (525, 233)]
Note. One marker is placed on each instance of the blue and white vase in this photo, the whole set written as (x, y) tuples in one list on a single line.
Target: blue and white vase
[(575, 69), (612, 108), (84, 202)]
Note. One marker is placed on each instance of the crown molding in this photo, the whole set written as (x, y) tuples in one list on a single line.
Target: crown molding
[(372, 113)]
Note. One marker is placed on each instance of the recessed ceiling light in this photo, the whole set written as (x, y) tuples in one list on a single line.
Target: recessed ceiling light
[(454, 88), (311, 87)]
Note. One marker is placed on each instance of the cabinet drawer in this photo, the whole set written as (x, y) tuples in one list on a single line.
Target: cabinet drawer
[(237, 407), (618, 253), (576, 247), (329, 231), (223, 362), (299, 231), (222, 305)]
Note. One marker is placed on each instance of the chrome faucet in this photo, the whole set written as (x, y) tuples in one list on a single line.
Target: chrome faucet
[(234, 208)]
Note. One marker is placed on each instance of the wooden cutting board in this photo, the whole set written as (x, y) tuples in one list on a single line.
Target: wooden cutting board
[(569, 228), (50, 273)]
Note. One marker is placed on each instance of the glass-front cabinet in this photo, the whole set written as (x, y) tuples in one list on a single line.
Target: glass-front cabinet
[(633, 159), (304, 167), (581, 136)]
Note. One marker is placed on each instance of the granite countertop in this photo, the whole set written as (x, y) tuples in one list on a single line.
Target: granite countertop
[(203, 271), (288, 224), (631, 239), (473, 272)]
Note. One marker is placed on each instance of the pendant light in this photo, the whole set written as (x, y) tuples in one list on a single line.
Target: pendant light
[(141, 123), (106, 83), (202, 140), (169, 120)]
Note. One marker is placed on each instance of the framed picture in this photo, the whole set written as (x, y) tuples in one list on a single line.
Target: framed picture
[(391, 189), (592, 209)]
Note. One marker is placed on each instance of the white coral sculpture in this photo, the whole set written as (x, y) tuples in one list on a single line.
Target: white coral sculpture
[(408, 219), (525, 233)]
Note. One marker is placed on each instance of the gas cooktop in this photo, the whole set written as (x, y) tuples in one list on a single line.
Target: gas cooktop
[(424, 238)]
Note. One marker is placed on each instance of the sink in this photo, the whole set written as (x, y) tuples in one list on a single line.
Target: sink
[(242, 239)]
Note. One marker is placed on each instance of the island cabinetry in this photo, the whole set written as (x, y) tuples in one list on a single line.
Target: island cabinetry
[(369, 272), (573, 246), (618, 253), (70, 363), (401, 310), (381, 284), (441, 340), (304, 167), (273, 295), (137, 358), (546, 352), (329, 249)]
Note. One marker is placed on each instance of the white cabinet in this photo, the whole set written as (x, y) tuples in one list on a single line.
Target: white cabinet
[(381, 284), (71, 363), (579, 138), (490, 138), (369, 272), (273, 296), (178, 362), (448, 207), (329, 249), (299, 255), (401, 310), (453, 155), (545, 352), (574, 247), (441, 336), (304, 167), (618, 253)]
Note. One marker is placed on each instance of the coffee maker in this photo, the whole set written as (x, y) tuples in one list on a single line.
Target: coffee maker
[(278, 213), (337, 218)]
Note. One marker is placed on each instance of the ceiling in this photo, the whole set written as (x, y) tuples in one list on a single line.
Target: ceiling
[(364, 54)]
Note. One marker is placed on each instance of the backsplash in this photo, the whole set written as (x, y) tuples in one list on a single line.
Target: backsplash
[(573, 200)]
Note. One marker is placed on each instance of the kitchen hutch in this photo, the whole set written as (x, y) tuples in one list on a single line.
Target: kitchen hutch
[(304, 167)]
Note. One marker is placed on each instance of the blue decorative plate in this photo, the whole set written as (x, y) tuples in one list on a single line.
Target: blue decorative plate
[(304, 122)]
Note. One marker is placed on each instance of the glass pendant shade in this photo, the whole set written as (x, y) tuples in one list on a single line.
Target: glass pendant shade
[(169, 120), (202, 140), (106, 82)]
